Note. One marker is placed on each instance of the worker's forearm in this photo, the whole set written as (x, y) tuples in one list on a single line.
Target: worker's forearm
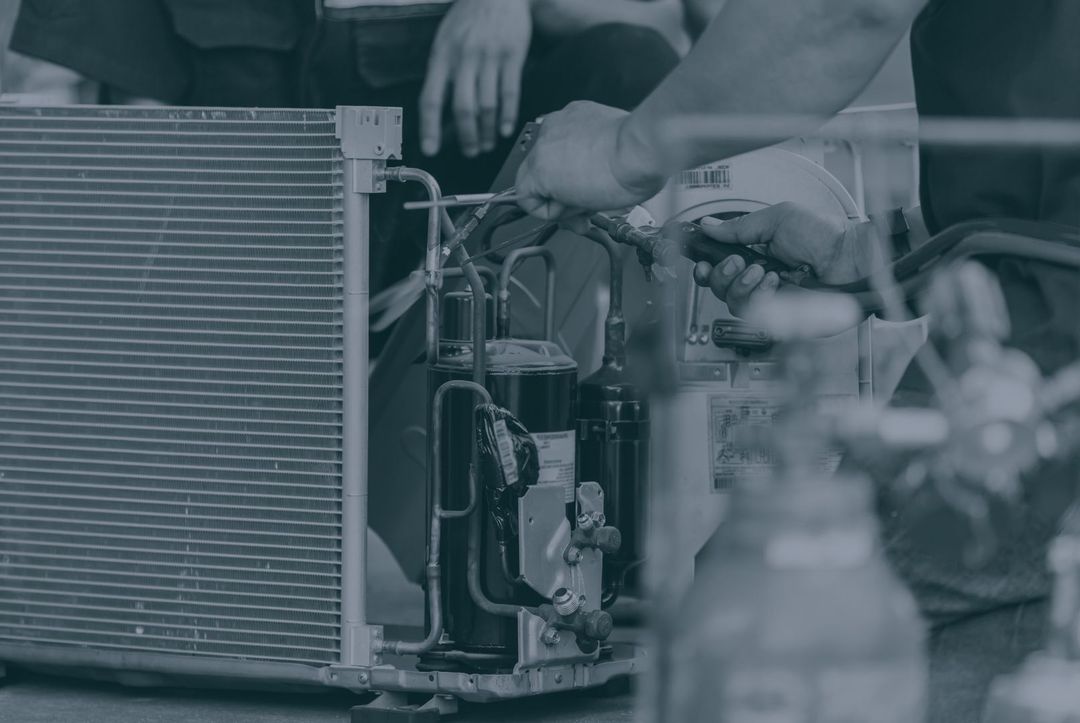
[(702, 12), (566, 17), (765, 57)]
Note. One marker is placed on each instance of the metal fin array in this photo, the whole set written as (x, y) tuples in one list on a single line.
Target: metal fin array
[(170, 381)]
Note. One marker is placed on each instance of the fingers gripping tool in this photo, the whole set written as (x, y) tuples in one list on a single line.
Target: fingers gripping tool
[(684, 239)]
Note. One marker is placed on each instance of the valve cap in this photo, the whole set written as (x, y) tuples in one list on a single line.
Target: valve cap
[(608, 540), (598, 625)]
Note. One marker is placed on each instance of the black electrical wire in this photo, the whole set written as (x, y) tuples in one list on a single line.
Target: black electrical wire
[(500, 216), (532, 237)]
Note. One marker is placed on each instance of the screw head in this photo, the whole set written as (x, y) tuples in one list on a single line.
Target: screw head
[(550, 637), (573, 556), (363, 678)]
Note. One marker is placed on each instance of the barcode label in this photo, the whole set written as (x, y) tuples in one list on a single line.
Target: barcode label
[(506, 452), (558, 460), (708, 177)]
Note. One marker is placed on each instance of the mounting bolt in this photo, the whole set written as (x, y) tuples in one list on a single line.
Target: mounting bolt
[(363, 678), (378, 150), (550, 637), (572, 555)]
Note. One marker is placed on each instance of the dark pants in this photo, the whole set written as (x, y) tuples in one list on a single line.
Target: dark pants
[(966, 656), (616, 65)]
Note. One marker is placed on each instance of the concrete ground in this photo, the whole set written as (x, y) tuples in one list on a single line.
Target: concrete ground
[(36, 699)]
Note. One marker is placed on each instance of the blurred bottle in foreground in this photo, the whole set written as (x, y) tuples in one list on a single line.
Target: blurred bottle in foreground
[(795, 616)]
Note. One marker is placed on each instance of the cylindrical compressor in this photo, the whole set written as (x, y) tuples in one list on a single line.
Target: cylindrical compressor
[(613, 439), (537, 383)]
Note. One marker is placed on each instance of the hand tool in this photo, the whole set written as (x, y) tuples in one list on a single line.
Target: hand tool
[(663, 246)]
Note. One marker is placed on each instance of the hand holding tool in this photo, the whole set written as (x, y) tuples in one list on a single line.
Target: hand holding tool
[(663, 246)]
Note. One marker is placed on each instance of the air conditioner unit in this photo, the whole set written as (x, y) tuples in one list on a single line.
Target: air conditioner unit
[(183, 398)]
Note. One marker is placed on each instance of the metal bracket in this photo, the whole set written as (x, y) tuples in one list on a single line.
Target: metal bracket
[(369, 133), (534, 653), (545, 536), (370, 136), (361, 641), (366, 176)]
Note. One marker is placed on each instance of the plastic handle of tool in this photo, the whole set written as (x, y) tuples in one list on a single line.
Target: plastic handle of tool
[(697, 246)]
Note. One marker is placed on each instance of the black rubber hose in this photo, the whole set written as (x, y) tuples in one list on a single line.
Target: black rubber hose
[(1059, 250), (948, 240)]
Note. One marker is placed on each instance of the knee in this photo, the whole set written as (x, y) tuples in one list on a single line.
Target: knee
[(627, 61)]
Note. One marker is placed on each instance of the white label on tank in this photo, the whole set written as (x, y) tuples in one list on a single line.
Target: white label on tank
[(739, 444), (558, 463), (506, 452), (872, 692)]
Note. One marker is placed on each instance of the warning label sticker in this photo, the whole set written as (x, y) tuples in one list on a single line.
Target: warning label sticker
[(738, 434), (506, 452), (558, 460), (739, 431)]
